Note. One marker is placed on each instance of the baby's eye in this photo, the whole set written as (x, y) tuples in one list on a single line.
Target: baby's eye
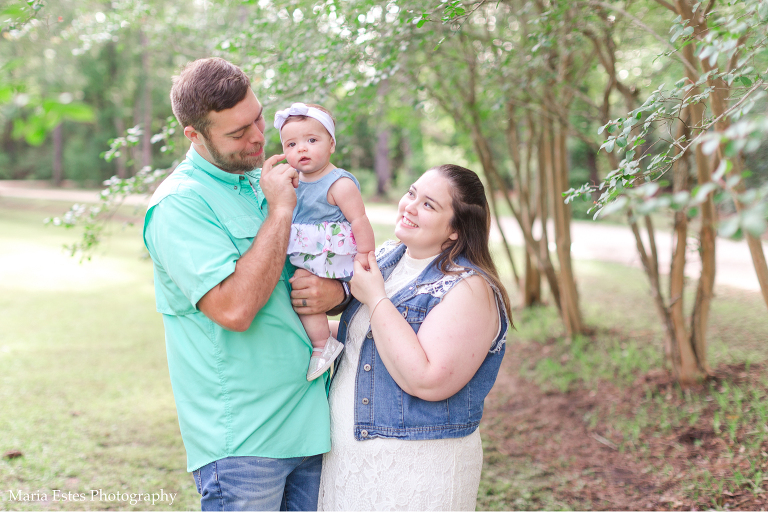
[(290, 144), (312, 140)]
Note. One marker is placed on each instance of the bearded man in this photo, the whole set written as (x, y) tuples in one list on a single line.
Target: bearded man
[(217, 230)]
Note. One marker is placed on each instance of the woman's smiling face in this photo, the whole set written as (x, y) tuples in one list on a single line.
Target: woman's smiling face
[(424, 216)]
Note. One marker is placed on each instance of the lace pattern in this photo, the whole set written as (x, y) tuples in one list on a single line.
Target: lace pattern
[(444, 285)]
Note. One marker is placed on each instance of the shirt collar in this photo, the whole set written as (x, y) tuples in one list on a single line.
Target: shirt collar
[(203, 164)]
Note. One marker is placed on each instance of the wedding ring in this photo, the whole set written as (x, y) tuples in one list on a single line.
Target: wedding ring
[(304, 302)]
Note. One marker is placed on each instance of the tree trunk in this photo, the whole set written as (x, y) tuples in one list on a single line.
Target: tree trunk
[(705, 288), (507, 249), (532, 285), (381, 163), (120, 161), (557, 171), (146, 139), (58, 155)]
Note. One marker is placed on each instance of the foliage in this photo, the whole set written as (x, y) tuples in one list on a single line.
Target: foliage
[(734, 50), (95, 218), (34, 113)]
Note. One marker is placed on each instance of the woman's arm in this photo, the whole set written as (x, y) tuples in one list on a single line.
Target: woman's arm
[(452, 341), (344, 194)]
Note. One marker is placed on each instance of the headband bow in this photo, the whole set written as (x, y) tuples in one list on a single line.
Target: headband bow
[(300, 109)]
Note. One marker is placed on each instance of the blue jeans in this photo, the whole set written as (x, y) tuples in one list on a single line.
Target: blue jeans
[(259, 483)]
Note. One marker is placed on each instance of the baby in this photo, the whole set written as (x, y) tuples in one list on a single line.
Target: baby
[(329, 228)]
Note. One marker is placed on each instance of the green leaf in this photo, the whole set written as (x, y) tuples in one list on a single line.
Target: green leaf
[(79, 112), (703, 191), (621, 142), (615, 206), (753, 222), (6, 94), (745, 80), (729, 227)]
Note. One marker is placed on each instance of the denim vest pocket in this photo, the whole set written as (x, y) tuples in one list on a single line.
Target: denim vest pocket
[(413, 313)]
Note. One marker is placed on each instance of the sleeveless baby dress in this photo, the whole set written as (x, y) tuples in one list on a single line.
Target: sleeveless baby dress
[(321, 239)]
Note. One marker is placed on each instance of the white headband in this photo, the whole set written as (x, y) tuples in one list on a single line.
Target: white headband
[(300, 109)]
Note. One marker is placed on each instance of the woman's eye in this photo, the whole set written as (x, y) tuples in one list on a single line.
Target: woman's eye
[(427, 205)]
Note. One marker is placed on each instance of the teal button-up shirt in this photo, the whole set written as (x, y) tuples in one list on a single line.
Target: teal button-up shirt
[(237, 394)]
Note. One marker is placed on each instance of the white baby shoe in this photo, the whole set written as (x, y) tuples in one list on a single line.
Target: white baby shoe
[(322, 358)]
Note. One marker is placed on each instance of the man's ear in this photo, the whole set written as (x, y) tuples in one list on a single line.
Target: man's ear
[(193, 135)]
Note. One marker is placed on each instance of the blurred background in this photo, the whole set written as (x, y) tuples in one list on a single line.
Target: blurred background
[(623, 146)]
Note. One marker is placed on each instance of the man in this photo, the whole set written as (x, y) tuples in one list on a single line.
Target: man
[(217, 230)]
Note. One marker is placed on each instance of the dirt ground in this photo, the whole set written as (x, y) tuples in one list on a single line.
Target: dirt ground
[(587, 468)]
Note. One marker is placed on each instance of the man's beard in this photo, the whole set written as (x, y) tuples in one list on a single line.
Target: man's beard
[(236, 164)]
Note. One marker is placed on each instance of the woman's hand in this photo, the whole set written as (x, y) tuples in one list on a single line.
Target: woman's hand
[(367, 285)]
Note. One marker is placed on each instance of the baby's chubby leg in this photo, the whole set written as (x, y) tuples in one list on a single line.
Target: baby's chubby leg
[(317, 328), (325, 348)]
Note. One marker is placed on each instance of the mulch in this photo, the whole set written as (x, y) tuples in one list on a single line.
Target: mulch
[(594, 471)]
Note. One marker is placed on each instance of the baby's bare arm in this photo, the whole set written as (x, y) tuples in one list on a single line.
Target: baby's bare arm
[(346, 196)]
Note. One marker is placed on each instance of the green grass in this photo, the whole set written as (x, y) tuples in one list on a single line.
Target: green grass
[(85, 389)]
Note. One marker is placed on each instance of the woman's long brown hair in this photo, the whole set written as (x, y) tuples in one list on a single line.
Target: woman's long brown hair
[(472, 223)]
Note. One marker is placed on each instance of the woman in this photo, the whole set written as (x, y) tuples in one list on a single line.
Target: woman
[(424, 340)]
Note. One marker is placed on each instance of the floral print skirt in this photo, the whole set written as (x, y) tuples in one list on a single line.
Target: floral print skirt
[(326, 249)]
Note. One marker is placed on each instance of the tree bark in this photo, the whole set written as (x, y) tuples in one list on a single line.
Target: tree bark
[(58, 155), (146, 139), (381, 163), (705, 288)]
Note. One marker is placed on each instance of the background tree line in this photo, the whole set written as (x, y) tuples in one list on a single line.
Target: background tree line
[(652, 109)]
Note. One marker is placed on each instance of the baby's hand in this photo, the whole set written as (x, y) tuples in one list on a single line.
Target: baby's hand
[(362, 258)]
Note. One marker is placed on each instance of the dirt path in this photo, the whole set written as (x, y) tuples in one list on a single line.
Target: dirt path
[(592, 240)]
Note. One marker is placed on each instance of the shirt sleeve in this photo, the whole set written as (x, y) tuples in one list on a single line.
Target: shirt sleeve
[(191, 250)]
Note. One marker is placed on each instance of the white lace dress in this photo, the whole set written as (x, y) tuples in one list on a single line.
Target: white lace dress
[(392, 474)]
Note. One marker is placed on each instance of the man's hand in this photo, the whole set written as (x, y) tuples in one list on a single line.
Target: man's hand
[(279, 183), (311, 294)]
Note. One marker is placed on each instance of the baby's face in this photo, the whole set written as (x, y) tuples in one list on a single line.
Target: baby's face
[(307, 145)]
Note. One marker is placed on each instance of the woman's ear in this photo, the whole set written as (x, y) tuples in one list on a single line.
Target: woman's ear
[(453, 236)]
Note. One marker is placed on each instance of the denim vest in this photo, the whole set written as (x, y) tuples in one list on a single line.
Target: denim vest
[(382, 409)]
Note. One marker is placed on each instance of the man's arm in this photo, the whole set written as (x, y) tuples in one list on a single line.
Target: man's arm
[(234, 302)]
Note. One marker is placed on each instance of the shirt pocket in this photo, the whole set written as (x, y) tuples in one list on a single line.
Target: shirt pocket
[(242, 230), (413, 314)]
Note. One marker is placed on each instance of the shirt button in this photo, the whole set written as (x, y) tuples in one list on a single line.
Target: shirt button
[(365, 401), (405, 314), (369, 335), (364, 433), (367, 367), (235, 187)]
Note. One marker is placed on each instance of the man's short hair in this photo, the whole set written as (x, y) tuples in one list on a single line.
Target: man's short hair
[(206, 85)]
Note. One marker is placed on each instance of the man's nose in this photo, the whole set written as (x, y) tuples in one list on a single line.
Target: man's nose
[(257, 136)]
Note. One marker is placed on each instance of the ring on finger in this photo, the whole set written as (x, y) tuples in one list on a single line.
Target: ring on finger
[(304, 302)]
